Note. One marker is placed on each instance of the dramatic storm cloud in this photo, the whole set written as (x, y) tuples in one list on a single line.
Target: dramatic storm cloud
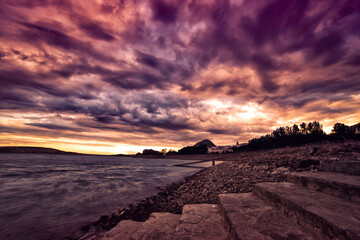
[(117, 76)]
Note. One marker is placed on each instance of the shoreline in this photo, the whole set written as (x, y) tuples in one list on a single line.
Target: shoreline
[(237, 174), (138, 211)]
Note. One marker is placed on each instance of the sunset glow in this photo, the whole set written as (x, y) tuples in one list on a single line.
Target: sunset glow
[(109, 76)]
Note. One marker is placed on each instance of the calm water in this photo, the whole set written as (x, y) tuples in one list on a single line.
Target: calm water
[(49, 196)]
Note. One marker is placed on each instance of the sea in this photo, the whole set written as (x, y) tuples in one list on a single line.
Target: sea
[(50, 196)]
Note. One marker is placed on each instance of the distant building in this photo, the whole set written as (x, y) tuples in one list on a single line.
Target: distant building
[(224, 149)]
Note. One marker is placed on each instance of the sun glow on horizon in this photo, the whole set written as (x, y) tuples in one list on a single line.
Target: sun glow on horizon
[(88, 148)]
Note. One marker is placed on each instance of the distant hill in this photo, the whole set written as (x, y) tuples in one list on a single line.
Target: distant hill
[(32, 150), (206, 142), (124, 155)]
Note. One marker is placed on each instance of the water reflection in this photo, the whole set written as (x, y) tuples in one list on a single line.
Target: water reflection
[(48, 196)]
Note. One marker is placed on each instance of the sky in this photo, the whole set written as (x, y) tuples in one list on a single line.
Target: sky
[(120, 76)]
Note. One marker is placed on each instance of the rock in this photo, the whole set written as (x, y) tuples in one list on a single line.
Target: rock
[(201, 221), (85, 228), (282, 169), (124, 230), (314, 150), (102, 220), (308, 163), (159, 226)]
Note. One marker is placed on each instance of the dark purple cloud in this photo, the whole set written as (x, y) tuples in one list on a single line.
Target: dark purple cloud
[(148, 60), (96, 31), (275, 19), (93, 29), (53, 126), (45, 83), (37, 34), (136, 80), (353, 60), (188, 68), (16, 100), (164, 11), (331, 86)]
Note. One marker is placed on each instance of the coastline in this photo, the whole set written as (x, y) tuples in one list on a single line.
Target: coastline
[(237, 174)]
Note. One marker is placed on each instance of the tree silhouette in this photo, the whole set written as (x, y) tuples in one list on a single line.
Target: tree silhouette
[(303, 127), (310, 127), (341, 129), (288, 136), (316, 128), (296, 129), (202, 149)]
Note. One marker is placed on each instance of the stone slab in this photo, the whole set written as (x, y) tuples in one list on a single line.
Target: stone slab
[(201, 222), (251, 218), (123, 230), (159, 226), (315, 210), (336, 184), (347, 167)]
